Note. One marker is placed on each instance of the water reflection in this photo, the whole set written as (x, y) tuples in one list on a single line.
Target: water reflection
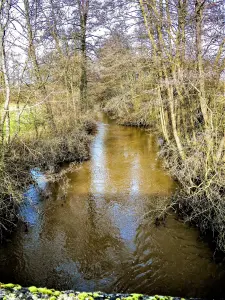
[(96, 237), (29, 210)]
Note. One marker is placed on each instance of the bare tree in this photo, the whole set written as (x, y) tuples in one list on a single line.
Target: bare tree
[(33, 56), (5, 7)]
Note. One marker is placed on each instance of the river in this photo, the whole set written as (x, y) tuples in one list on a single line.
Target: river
[(95, 230)]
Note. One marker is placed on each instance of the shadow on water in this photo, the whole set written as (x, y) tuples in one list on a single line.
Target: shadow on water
[(100, 235)]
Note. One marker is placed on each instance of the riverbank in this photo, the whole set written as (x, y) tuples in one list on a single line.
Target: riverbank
[(200, 199), (48, 152), (96, 230), (11, 291)]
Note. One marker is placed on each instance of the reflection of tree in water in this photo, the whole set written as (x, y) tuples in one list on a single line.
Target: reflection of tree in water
[(83, 241), (101, 235), (100, 243), (138, 272), (92, 213)]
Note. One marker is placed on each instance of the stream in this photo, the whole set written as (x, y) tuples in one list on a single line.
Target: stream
[(96, 231)]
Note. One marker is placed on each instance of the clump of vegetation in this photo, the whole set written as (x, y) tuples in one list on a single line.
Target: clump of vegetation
[(12, 291), (201, 198)]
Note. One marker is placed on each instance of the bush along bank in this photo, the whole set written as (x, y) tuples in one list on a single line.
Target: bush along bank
[(201, 177), (48, 153), (11, 291), (200, 199)]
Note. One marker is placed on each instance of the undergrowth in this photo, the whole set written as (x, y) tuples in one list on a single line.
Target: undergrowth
[(48, 152)]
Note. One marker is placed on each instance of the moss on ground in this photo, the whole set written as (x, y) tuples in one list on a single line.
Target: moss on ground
[(12, 291)]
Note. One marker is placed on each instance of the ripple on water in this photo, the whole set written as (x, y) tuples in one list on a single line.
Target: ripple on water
[(100, 235)]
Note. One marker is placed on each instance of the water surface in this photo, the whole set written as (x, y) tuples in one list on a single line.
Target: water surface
[(95, 231)]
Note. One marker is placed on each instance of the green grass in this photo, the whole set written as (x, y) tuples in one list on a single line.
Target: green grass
[(29, 120)]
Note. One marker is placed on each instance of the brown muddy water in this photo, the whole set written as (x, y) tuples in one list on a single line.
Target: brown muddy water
[(100, 235)]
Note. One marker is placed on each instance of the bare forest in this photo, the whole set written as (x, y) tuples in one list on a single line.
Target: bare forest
[(157, 64)]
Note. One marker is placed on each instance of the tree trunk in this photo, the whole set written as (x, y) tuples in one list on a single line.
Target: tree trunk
[(37, 72), (5, 122), (83, 6), (199, 7)]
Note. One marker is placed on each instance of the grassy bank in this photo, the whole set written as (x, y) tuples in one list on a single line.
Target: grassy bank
[(49, 153)]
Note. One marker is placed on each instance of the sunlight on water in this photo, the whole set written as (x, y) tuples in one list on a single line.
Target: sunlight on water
[(100, 235)]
